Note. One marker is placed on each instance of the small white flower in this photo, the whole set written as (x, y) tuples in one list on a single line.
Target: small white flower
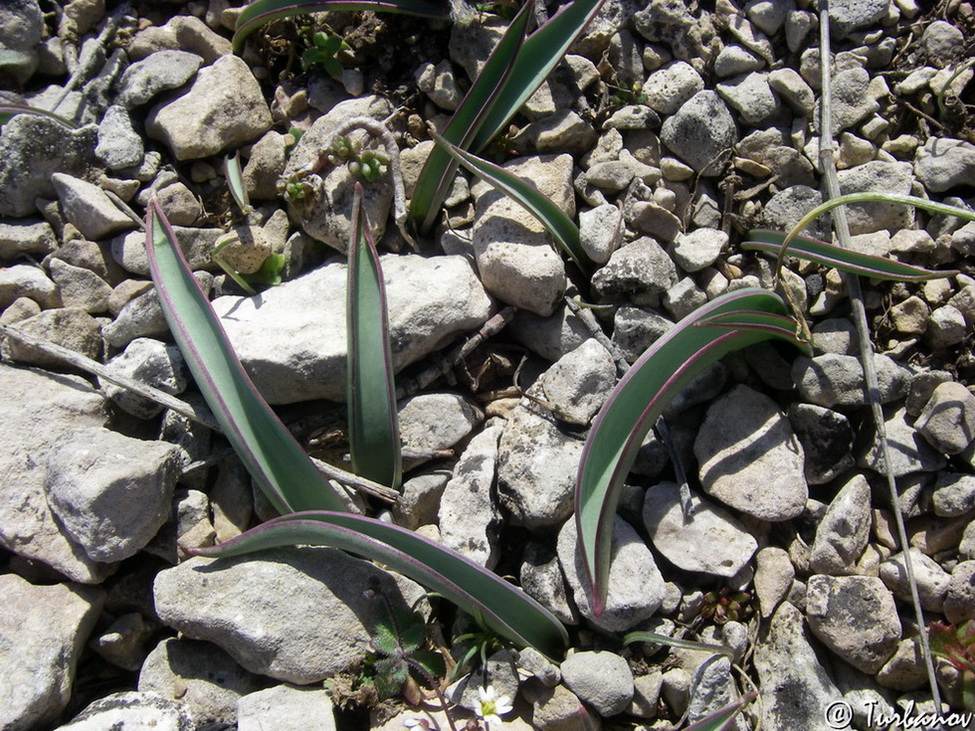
[(491, 706)]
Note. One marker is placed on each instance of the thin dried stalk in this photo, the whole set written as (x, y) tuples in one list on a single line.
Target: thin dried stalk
[(827, 147)]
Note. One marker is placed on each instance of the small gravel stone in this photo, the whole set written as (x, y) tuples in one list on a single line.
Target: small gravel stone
[(709, 541), (827, 439), (89, 208), (942, 163), (750, 95), (285, 708), (774, 575), (699, 248), (700, 132), (855, 617), (954, 495), (959, 603), (843, 531), (948, 420), (601, 679), (932, 580), (600, 232), (912, 452), (635, 587), (945, 327), (671, 86), (130, 709), (756, 467), (639, 267), (942, 43), (837, 380)]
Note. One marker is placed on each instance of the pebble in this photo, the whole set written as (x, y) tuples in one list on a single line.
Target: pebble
[(513, 250), (837, 380), (285, 708), (669, 87), (635, 587), (892, 177), (945, 327), (959, 603), (640, 267), (942, 43), (152, 362), (119, 145), (600, 232), (710, 541), (942, 163), (756, 466), (774, 575), (89, 208), (843, 531), (948, 420), (913, 453), (24, 280), (297, 615), (734, 61), (199, 675), (429, 301), (794, 685), (131, 709), (223, 108), (601, 679), (847, 16), (855, 617), (48, 626), (932, 580), (700, 132), (852, 102), (827, 440), (750, 95), (699, 249), (69, 327), (954, 495), (429, 422)]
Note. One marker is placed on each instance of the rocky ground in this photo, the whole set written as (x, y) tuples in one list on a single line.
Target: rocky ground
[(668, 132)]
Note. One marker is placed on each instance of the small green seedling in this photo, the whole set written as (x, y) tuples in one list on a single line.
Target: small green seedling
[(956, 644), (400, 655), (622, 96), (367, 165), (327, 53)]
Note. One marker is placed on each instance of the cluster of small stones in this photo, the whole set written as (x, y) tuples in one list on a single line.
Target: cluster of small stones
[(717, 113)]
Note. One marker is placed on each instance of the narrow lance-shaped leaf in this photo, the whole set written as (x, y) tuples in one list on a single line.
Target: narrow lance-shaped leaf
[(503, 607), (235, 181), (10, 109), (830, 255), (562, 228), (440, 167), (272, 456), (659, 639), (374, 439), (539, 55), (260, 12), (870, 197), (638, 401), (721, 719)]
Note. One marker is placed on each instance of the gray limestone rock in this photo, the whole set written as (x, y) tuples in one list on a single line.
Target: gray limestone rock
[(514, 252), (942, 163), (751, 96), (959, 603), (37, 411), (298, 615), (837, 380), (932, 580), (223, 108), (827, 440), (774, 575), (69, 327), (542, 579), (158, 72), (888, 177), (712, 689), (119, 145), (26, 237), (847, 16), (468, 517), (750, 458), (701, 132), (201, 676), (32, 149), (434, 421), (601, 679), (286, 708), (537, 468), (635, 588), (132, 710), (183, 32), (579, 383), (710, 541), (699, 248), (89, 208), (43, 630), (430, 302), (24, 280), (110, 493), (670, 86), (948, 419), (852, 102), (152, 362), (843, 531), (954, 495), (80, 287), (909, 451), (795, 686), (855, 617), (640, 267)]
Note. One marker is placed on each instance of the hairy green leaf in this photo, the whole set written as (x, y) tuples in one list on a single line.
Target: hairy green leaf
[(503, 607), (272, 456), (562, 228), (260, 12), (641, 397), (374, 439)]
